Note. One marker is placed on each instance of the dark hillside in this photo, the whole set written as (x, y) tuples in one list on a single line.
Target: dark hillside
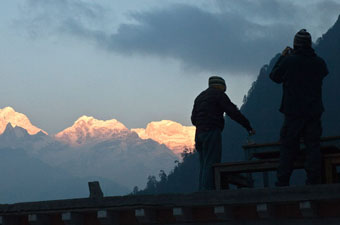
[(329, 49), (261, 108)]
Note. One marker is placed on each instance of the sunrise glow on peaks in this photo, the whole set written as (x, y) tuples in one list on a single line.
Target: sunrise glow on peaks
[(9, 115)]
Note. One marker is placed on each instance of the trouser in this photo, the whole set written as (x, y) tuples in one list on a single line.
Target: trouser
[(209, 148), (294, 129)]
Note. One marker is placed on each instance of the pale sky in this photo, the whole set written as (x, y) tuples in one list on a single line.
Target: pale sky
[(141, 60)]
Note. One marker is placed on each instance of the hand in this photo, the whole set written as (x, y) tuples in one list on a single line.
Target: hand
[(251, 132), (287, 51)]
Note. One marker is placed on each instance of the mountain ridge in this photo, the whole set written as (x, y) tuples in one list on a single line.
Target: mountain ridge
[(106, 149), (89, 130), (9, 115)]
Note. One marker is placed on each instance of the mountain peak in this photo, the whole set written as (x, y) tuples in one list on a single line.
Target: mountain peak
[(337, 23), (84, 118), (15, 131), (170, 133), (93, 122), (9, 115), (8, 109), (87, 128), (9, 127)]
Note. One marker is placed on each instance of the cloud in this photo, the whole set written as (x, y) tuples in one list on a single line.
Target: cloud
[(50, 17), (326, 12), (202, 40), (237, 38), (268, 11)]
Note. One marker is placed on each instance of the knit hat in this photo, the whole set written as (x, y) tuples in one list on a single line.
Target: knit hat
[(302, 39), (215, 80)]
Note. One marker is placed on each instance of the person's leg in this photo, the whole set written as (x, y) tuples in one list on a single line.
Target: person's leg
[(290, 144), (312, 134), (199, 148), (212, 148)]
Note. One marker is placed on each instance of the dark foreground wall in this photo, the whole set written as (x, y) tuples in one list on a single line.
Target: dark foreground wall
[(290, 205)]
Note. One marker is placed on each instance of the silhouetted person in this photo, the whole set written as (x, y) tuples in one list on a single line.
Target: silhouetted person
[(207, 116), (301, 72)]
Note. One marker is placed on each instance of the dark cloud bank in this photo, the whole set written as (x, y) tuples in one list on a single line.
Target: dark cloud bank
[(200, 39), (223, 41)]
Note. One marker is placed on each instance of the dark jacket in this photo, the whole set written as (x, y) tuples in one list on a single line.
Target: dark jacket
[(209, 108), (301, 74)]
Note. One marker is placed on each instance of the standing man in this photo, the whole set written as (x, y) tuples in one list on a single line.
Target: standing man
[(207, 116), (301, 72)]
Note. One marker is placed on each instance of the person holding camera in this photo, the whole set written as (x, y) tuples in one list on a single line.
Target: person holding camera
[(301, 73)]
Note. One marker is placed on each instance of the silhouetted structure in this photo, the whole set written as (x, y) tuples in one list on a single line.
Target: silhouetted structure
[(313, 205), (95, 190)]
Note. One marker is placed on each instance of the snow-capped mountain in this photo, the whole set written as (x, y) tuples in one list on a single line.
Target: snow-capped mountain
[(109, 149), (88, 129), (172, 134), (91, 148), (9, 115), (18, 137), (16, 131)]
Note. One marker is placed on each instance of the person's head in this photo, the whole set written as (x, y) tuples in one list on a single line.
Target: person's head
[(302, 39), (218, 83)]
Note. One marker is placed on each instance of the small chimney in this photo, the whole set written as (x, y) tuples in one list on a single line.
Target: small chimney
[(95, 190)]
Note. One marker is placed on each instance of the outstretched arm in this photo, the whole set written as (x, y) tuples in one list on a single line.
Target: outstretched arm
[(234, 113)]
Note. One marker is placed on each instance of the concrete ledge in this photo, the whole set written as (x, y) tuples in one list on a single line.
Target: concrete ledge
[(209, 198), (258, 206)]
